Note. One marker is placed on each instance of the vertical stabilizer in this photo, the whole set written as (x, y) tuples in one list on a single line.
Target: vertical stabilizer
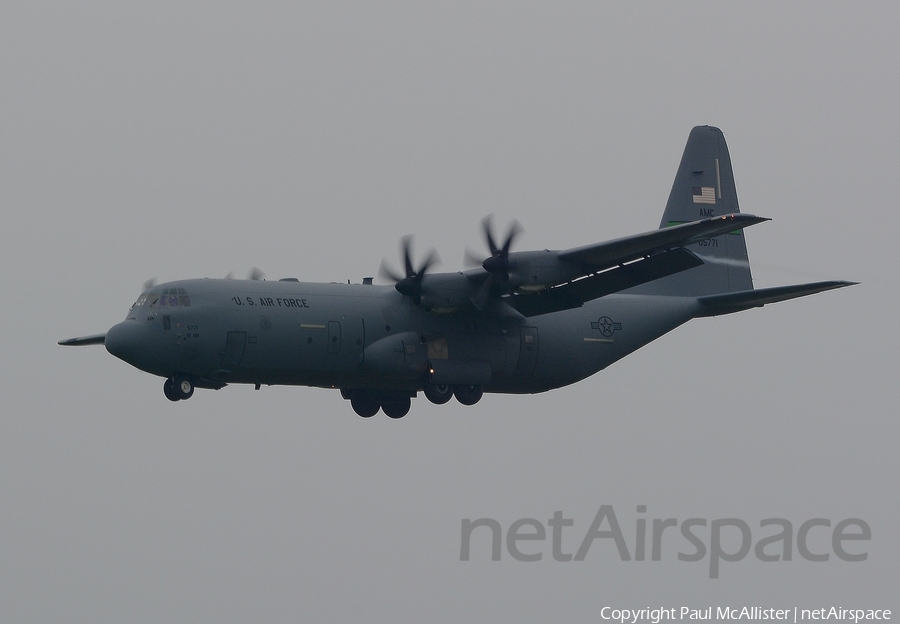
[(703, 188)]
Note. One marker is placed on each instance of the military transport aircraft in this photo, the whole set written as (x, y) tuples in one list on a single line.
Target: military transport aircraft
[(521, 322)]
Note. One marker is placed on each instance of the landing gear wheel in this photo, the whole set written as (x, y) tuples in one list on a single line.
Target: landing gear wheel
[(363, 405), (397, 408), (170, 391), (438, 393), (184, 388), (468, 395)]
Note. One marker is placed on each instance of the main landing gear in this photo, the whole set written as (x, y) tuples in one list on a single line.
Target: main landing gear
[(438, 393), (178, 388), (366, 403), (441, 393), (468, 395)]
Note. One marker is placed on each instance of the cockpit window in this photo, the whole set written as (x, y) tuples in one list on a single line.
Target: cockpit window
[(174, 297), (140, 301)]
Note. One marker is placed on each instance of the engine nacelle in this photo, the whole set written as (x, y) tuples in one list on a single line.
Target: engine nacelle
[(531, 271), (445, 292)]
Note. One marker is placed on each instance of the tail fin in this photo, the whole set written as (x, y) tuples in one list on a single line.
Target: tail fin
[(703, 188)]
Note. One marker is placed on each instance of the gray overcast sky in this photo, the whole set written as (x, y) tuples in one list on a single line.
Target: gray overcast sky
[(176, 140)]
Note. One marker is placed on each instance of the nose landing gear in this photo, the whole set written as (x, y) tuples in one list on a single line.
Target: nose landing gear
[(178, 388)]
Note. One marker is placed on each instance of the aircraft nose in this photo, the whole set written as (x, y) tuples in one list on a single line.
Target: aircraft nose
[(125, 341)]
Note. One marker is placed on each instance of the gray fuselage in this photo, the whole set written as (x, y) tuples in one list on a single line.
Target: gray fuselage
[(369, 336)]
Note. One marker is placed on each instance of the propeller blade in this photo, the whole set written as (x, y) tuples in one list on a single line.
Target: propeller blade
[(256, 274), (406, 250), (480, 297), (515, 228), (411, 283), (498, 262), (150, 283), (471, 259), (432, 260), (385, 271), (488, 237)]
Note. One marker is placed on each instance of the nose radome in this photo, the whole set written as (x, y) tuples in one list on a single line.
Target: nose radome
[(124, 341)]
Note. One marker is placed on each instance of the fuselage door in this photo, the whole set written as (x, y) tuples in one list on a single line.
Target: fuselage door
[(334, 337), (234, 348), (528, 351)]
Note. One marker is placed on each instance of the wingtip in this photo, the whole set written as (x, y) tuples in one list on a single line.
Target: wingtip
[(97, 339), (746, 216)]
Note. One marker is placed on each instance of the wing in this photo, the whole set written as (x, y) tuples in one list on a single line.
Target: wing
[(538, 282), (585, 273), (621, 250), (574, 294), (84, 340)]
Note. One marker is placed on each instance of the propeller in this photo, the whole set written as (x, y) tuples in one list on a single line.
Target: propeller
[(150, 283), (253, 274), (411, 283), (497, 264)]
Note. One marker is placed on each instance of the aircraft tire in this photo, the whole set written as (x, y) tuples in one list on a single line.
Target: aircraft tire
[(184, 388), (363, 405), (468, 395), (397, 408), (170, 391), (438, 393)]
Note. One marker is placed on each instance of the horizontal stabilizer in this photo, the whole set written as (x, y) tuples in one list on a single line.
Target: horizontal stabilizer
[(620, 250), (727, 303), (84, 340)]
